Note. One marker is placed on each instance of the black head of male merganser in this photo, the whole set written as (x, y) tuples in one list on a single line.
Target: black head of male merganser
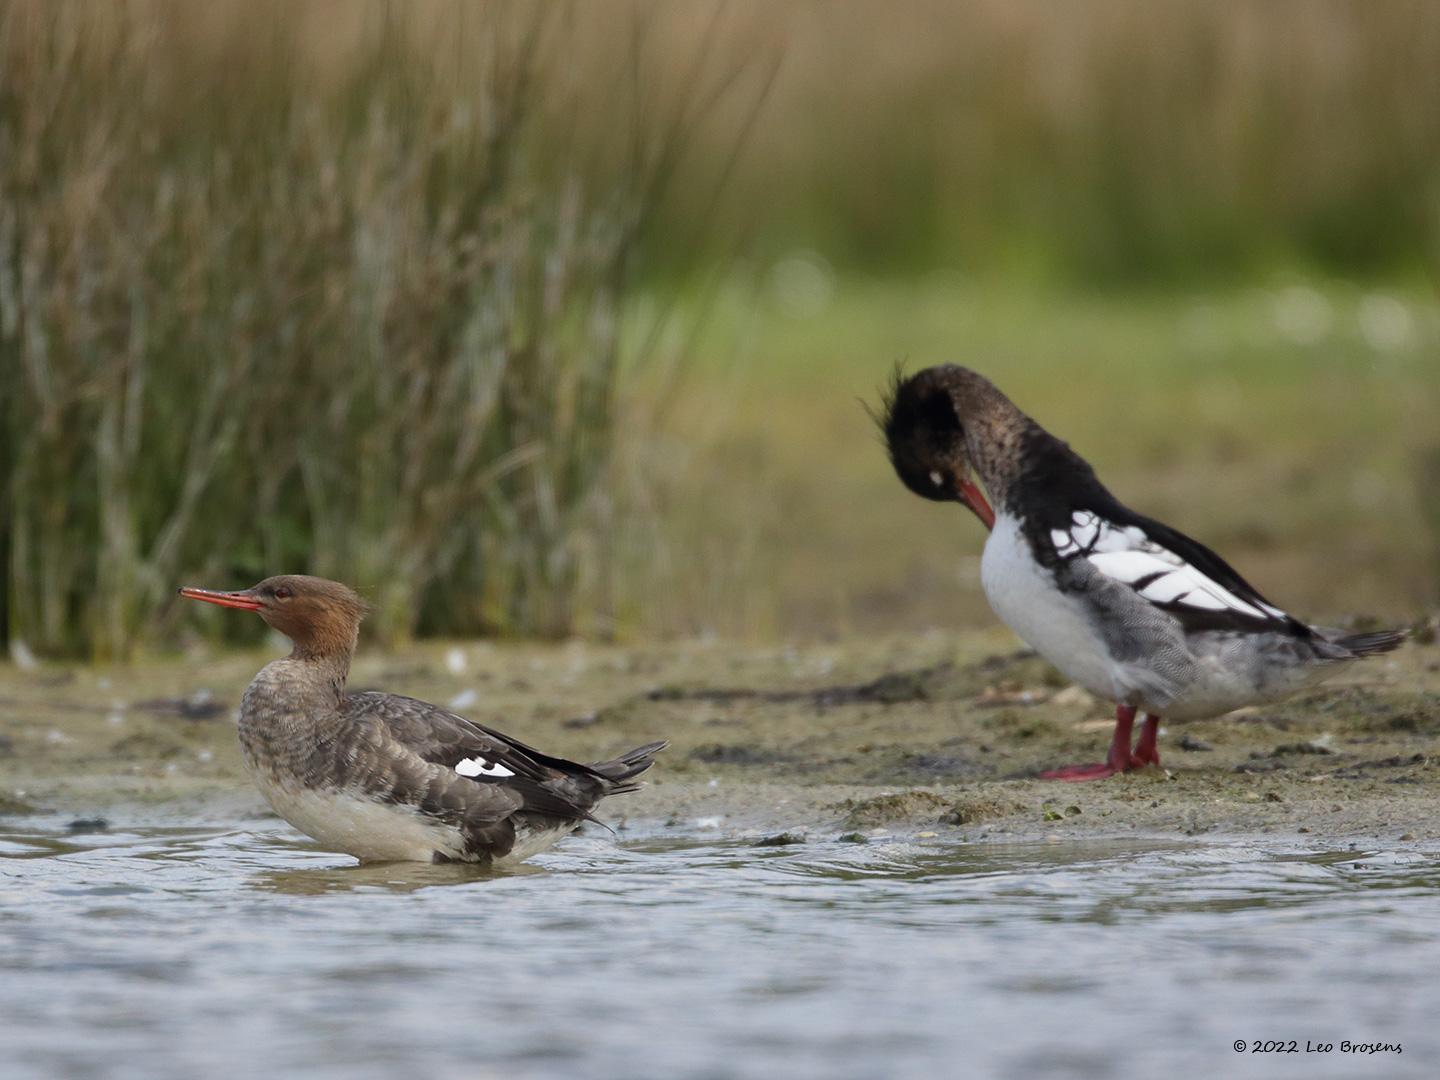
[(384, 777), (1132, 610)]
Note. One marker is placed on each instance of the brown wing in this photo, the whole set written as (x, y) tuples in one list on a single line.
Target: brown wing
[(497, 774), (444, 738)]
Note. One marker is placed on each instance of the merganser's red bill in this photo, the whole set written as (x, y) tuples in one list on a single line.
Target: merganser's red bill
[(975, 499), (244, 600)]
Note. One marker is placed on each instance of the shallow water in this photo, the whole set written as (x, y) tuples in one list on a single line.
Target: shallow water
[(182, 952)]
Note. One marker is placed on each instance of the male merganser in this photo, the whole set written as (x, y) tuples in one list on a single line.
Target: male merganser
[(1132, 610), (384, 777)]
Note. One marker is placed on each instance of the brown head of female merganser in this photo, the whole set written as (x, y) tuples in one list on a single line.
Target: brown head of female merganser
[(384, 777), (1134, 611)]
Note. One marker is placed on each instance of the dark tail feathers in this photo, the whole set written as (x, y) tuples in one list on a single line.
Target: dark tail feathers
[(1381, 641), (627, 766)]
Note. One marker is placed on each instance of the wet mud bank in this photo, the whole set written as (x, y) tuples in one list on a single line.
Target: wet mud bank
[(933, 734)]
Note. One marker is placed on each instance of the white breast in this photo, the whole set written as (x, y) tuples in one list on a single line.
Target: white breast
[(1027, 600)]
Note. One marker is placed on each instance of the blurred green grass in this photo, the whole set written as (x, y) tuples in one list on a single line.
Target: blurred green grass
[(1289, 427), (556, 319), (1113, 141), (281, 294)]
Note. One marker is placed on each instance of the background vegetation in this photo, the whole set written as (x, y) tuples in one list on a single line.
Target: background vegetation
[(552, 319), (359, 318), (1110, 141)]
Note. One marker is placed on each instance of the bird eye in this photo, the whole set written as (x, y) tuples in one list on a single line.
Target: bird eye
[(283, 593), (936, 478)]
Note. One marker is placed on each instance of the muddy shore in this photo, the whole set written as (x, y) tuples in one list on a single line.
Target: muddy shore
[(939, 733)]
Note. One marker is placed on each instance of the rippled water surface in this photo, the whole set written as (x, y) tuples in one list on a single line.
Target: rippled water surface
[(185, 952)]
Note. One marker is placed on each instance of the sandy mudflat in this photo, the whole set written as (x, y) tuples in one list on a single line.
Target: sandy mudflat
[(935, 733)]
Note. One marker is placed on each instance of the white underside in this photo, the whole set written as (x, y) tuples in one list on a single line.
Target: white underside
[(362, 827), (384, 832)]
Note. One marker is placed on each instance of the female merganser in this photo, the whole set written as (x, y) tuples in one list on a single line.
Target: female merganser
[(384, 777), (1132, 610)]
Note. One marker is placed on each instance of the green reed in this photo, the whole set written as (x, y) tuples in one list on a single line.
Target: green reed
[(270, 302)]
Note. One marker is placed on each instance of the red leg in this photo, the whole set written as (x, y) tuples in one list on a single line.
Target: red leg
[(1146, 752), (1116, 761)]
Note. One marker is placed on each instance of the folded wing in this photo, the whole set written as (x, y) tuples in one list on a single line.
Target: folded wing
[(483, 755), (1170, 571)]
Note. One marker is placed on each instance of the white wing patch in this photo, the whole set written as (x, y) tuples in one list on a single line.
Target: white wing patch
[(1088, 533), (1125, 554), (479, 766), (1129, 566)]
